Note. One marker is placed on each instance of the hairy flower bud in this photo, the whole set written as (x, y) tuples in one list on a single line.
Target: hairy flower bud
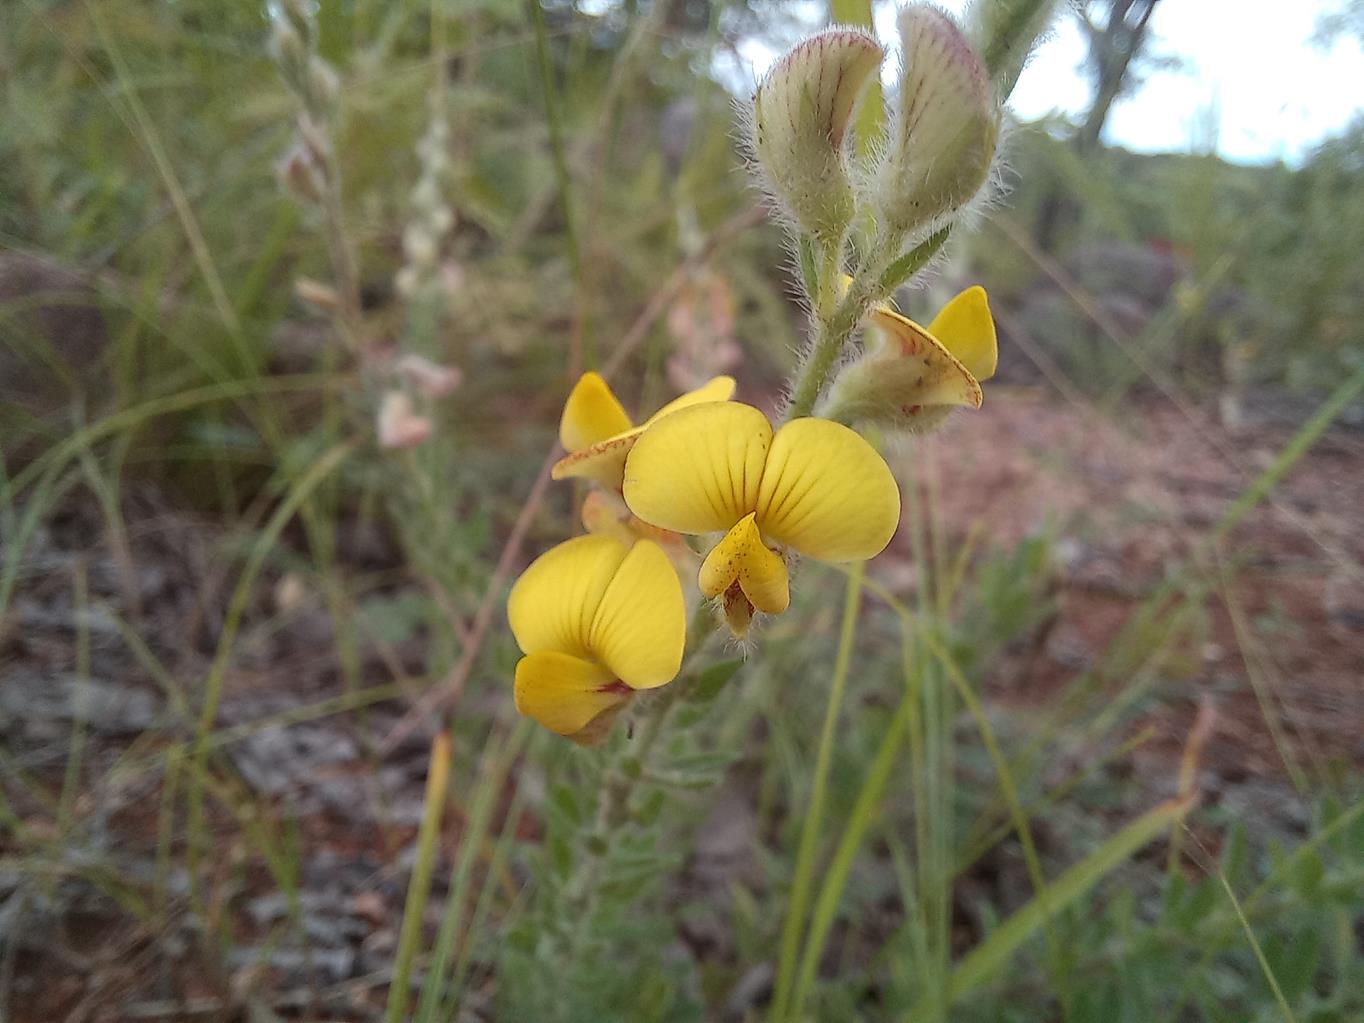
[(944, 128), (801, 115)]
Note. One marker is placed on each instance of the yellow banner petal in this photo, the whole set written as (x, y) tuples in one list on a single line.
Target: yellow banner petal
[(742, 557), (967, 330), (827, 493), (640, 627), (716, 389), (591, 414), (552, 605), (698, 470), (565, 693)]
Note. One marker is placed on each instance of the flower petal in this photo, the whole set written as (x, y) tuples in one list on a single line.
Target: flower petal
[(602, 462), (552, 605), (941, 377), (592, 413), (827, 493), (565, 693), (967, 330), (698, 470), (640, 627), (715, 389), (742, 557)]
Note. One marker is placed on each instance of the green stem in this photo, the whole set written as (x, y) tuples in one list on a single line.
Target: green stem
[(879, 275), (831, 334), (613, 811), (809, 836)]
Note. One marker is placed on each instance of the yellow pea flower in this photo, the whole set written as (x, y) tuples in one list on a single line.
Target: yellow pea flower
[(604, 513), (596, 620), (813, 487), (913, 376), (598, 434)]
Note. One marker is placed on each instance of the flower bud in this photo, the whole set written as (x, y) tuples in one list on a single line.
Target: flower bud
[(944, 127), (801, 114)]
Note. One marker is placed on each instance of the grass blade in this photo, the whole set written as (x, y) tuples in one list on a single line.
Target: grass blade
[(991, 955), (419, 887), (814, 818)]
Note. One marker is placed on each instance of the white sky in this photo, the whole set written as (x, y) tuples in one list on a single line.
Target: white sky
[(1251, 80)]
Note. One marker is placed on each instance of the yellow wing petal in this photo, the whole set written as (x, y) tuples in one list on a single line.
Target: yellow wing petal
[(697, 470), (967, 330), (743, 557), (716, 389), (552, 605), (827, 493), (602, 462), (640, 627), (564, 693), (592, 413)]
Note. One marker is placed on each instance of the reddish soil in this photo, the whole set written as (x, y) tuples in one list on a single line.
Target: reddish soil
[(1135, 504)]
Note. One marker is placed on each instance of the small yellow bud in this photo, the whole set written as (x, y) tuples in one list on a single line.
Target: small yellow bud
[(944, 127), (801, 114)]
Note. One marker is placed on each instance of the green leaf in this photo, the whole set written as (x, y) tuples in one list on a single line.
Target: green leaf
[(649, 808), (991, 955), (1294, 961), (1236, 856), (561, 853), (710, 681), (912, 261), (1307, 872), (565, 801)]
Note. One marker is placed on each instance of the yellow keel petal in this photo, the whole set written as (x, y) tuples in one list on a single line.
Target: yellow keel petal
[(565, 693), (742, 557)]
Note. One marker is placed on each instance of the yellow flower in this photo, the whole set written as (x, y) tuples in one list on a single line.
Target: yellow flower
[(912, 376), (596, 620), (604, 513), (598, 434), (813, 487)]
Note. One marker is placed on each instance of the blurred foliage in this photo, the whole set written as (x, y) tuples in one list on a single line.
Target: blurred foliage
[(1220, 274)]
